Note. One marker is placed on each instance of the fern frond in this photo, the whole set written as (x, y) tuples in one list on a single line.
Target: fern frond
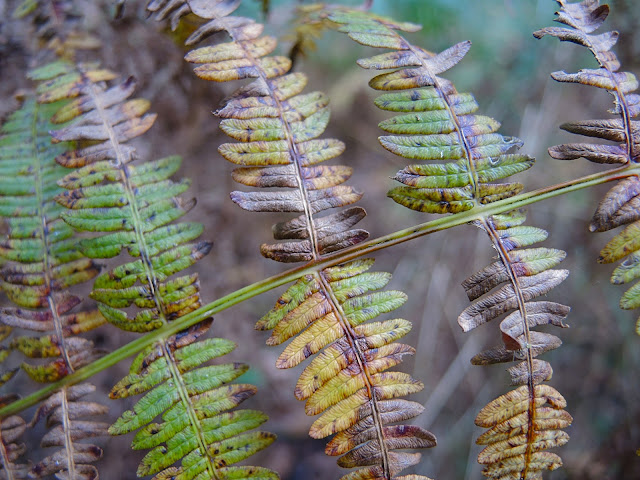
[(278, 129), (41, 258), (41, 263), (11, 430), (133, 207), (325, 312), (222, 438), (66, 418), (439, 124), (55, 25), (511, 453), (520, 426), (347, 382), (620, 206)]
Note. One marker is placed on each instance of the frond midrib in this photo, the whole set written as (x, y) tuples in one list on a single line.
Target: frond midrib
[(42, 226)]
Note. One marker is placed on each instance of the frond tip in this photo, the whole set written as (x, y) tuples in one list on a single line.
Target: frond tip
[(518, 435)]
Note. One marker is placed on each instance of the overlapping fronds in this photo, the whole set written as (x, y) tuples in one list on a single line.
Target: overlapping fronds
[(347, 383), (621, 205), (133, 207), (41, 258), (277, 127), (464, 155)]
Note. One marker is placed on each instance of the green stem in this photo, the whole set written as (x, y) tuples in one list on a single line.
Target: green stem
[(337, 258)]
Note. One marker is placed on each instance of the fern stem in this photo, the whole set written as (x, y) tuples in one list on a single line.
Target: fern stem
[(364, 248)]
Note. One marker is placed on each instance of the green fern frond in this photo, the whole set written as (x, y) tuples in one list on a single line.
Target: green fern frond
[(439, 124), (222, 438), (134, 207), (324, 312), (41, 263), (41, 258), (620, 206)]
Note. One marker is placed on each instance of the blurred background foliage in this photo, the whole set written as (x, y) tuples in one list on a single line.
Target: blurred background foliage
[(508, 72)]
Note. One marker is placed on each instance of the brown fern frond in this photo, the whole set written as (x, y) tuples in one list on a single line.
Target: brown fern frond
[(11, 430), (56, 26), (277, 127), (69, 421), (621, 205)]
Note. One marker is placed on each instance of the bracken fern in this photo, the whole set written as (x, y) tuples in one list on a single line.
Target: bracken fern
[(133, 206), (324, 312), (439, 124)]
